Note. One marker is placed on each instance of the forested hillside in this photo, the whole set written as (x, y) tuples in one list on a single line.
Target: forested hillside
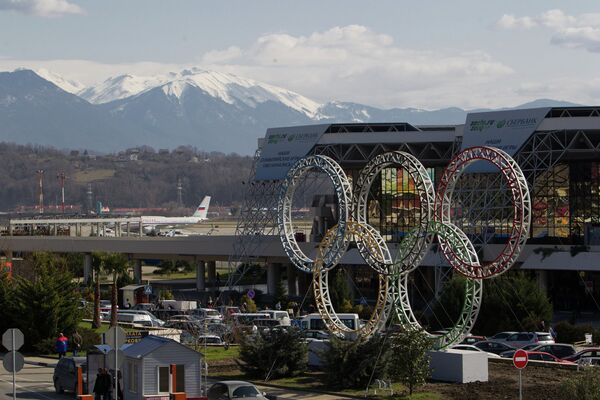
[(141, 177)]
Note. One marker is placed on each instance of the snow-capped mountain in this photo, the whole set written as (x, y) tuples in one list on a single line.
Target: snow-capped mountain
[(210, 110), (120, 87), (229, 88), (68, 85)]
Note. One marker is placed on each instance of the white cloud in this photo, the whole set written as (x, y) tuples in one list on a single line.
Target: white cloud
[(41, 8), (581, 31), (508, 21), (354, 63)]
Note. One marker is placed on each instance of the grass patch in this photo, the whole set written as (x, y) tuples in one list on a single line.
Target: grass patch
[(218, 353), (315, 381), (93, 175)]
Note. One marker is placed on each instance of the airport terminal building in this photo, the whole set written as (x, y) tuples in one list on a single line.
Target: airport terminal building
[(558, 150)]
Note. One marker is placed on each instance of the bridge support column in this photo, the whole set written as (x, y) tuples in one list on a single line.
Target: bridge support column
[(200, 275), (87, 268), (291, 280), (137, 271), (212, 274), (273, 277)]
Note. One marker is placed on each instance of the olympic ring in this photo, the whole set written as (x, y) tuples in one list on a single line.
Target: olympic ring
[(473, 287), (382, 309), (284, 214), (425, 193), (517, 184), (434, 211)]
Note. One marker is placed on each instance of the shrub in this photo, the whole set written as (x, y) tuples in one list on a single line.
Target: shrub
[(250, 304), (409, 358), (352, 364), (273, 353), (569, 333), (583, 387), (89, 338)]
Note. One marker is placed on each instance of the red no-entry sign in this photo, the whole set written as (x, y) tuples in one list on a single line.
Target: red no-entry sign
[(520, 359)]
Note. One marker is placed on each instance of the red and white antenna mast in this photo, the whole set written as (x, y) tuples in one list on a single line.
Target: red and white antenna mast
[(61, 177), (40, 173)]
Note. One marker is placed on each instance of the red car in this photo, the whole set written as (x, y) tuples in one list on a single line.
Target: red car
[(542, 356)]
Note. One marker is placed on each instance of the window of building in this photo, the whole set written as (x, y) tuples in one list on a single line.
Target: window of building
[(133, 377), (164, 383)]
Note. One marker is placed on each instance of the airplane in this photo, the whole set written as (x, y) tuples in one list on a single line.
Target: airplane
[(151, 222)]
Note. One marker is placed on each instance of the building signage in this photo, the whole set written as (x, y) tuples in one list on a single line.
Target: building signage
[(282, 147), (506, 130)]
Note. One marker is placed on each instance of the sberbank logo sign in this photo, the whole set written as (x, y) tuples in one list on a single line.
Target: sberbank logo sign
[(517, 123)]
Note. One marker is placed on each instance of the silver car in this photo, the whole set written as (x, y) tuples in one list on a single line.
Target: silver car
[(520, 339), (225, 390)]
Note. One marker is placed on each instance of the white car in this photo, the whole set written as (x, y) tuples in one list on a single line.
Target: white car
[(470, 347)]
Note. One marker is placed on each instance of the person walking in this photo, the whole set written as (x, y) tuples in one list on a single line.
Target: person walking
[(101, 385), (62, 345), (77, 340)]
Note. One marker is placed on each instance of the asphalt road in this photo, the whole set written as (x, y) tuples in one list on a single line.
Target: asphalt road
[(35, 382)]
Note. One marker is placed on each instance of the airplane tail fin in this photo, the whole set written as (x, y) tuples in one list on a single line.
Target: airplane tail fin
[(202, 210)]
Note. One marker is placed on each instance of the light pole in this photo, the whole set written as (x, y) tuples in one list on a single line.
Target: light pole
[(40, 173)]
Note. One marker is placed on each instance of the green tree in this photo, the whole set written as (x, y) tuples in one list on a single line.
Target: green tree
[(250, 304), (513, 300), (97, 267), (280, 295), (409, 361), (447, 309), (115, 264), (48, 302), (339, 291), (354, 363), (7, 295), (273, 353)]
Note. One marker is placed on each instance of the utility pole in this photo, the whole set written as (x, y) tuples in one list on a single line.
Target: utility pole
[(89, 198), (61, 177), (40, 173), (179, 193)]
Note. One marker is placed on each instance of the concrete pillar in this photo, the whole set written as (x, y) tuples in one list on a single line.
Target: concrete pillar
[(87, 268), (200, 275), (273, 277), (212, 273), (137, 271), (141, 226), (291, 280), (542, 280)]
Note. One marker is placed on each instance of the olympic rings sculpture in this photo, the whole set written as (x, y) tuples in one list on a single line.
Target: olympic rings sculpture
[(434, 221)]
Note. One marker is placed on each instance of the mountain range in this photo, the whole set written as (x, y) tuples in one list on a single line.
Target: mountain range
[(212, 111)]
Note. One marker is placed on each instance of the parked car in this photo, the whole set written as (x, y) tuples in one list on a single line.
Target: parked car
[(144, 306), (314, 334), (224, 390), (589, 352), (493, 347), (501, 336), (204, 313), (541, 356), (65, 374), (511, 353), (472, 339), (520, 339), (585, 362), (470, 347)]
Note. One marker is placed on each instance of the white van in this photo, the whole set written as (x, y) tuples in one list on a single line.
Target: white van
[(282, 316), (315, 321), (137, 319), (247, 318)]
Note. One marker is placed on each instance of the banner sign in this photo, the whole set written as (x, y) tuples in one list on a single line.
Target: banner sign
[(283, 147), (506, 130)]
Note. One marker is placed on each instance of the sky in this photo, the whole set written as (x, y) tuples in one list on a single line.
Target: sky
[(384, 53)]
